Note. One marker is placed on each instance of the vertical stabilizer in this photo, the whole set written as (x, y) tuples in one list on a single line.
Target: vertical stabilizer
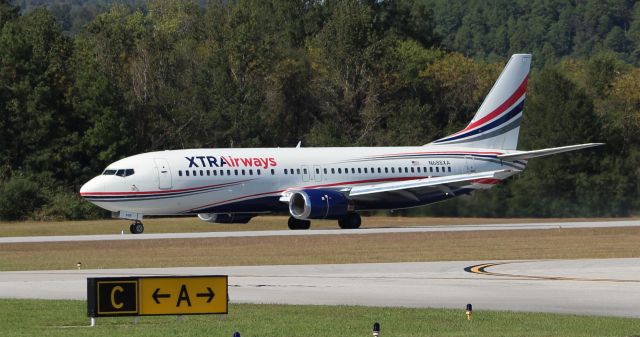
[(497, 123)]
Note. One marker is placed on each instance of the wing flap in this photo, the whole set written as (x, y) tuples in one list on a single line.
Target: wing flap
[(430, 182)]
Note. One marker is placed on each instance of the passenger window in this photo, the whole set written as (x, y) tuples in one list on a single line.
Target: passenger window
[(208, 173), (258, 171), (386, 170), (250, 172), (187, 173), (298, 171), (221, 172), (412, 170), (443, 169), (437, 169), (325, 171), (243, 172), (359, 170), (317, 171), (180, 173), (449, 168), (393, 170), (431, 169), (339, 170), (353, 170), (195, 173), (273, 171), (215, 173), (333, 170), (366, 170), (379, 170), (201, 173), (285, 171), (406, 170), (228, 172), (235, 172), (346, 170), (418, 168)]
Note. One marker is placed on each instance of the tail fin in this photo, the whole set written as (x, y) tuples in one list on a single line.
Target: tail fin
[(496, 125)]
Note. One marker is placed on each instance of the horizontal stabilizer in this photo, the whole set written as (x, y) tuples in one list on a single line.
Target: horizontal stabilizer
[(524, 155)]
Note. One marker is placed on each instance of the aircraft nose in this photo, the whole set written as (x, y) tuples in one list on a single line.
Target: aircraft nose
[(94, 185)]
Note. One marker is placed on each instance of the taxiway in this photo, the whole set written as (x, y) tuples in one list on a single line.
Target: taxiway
[(608, 287)]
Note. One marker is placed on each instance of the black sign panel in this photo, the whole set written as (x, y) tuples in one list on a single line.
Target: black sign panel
[(112, 297)]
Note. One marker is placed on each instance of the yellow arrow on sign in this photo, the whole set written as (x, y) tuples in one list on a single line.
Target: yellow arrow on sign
[(183, 295)]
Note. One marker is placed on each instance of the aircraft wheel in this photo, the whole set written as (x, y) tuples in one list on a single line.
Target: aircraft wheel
[(136, 228), (298, 224), (350, 221)]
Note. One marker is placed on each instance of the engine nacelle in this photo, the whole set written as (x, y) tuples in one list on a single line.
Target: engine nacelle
[(225, 218), (318, 204)]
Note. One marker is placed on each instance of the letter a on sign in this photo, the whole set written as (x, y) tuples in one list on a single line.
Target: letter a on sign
[(184, 296)]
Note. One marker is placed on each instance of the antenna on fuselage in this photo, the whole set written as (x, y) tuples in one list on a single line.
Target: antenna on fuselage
[(299, 144)]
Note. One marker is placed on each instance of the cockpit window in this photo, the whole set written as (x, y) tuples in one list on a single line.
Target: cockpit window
[(119, 172)]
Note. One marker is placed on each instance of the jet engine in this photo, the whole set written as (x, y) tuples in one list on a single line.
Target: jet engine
[(319, 204), (225, 218)]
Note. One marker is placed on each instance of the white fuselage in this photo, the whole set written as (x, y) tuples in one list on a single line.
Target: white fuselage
[(253, 180)]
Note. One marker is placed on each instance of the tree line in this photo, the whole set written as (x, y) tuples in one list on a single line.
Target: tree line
[(144, 76)]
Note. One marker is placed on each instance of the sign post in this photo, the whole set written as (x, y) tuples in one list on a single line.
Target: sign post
[(171, 295)]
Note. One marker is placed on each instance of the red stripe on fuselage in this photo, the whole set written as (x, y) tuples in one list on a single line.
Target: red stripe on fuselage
[(442, 152), (89, 194)]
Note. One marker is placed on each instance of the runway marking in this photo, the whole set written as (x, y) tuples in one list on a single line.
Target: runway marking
[(481, 269)]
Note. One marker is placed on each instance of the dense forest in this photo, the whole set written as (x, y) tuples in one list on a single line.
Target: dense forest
[(85, 83)]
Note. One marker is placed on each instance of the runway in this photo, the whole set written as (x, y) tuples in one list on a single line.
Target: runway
[(361, 231), (609, 287)]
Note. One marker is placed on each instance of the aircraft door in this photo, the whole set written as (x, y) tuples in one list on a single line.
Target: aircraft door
[(317, 173), (471, 168), (164, 174), (305, 173)]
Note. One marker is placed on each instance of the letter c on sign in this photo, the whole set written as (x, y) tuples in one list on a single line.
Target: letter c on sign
[(113, 297)]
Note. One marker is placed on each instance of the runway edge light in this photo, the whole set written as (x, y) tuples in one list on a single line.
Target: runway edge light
[(469, 311), (376, 329)]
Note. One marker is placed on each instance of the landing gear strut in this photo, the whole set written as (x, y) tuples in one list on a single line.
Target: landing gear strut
[(298, 224), (136, 228), (351, 220)]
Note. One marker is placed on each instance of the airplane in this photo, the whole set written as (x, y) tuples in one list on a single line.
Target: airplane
[(233, 185)]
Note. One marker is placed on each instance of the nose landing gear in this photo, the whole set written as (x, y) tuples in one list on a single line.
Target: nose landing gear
[(136, 227)]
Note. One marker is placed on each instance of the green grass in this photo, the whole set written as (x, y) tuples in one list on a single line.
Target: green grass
[(68, 318), (193, 224)]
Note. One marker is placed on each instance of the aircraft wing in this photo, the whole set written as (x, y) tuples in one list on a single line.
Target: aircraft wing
[(446, 184)]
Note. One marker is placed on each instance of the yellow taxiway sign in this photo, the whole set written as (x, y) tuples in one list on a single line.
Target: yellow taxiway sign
[(183, 295), (179, 295)]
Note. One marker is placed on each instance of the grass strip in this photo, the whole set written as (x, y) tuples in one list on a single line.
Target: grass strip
[(68, 318), (322, 249), (193, 224)]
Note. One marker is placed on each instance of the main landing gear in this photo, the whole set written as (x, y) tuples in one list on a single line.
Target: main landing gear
[(136, 227), (351, 220), (298, 224)]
